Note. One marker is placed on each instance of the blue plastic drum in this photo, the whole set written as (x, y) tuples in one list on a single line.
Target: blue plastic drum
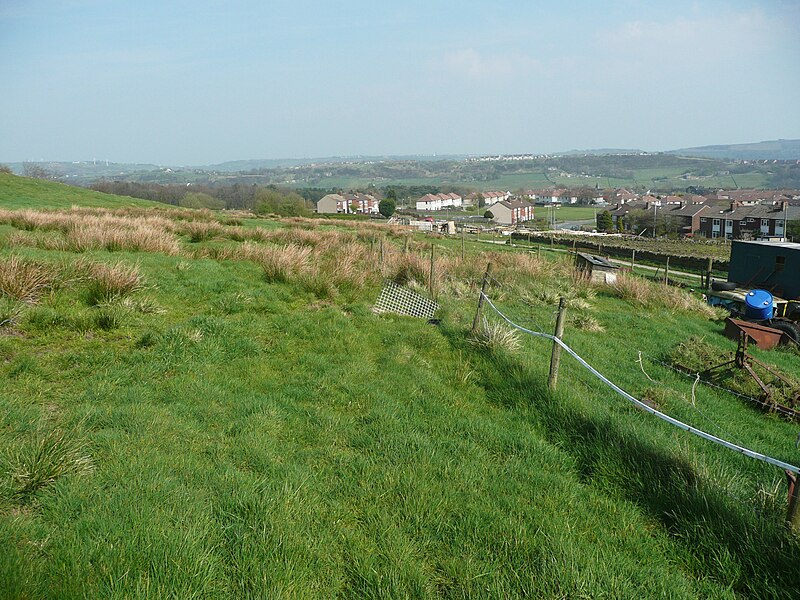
[(758, 305)]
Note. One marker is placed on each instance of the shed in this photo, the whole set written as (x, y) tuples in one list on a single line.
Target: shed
[(773, 266), (595, 268)]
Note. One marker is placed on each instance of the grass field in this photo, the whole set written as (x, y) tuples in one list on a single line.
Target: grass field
[(665, 178), (20, 192), (222, 415)]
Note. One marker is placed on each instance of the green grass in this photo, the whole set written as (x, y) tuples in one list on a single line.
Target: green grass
[(23, 192), (255, 439)]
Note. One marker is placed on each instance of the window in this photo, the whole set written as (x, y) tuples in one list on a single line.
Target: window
[(742, 223), (779, 223), (715, 234), (765, 222), (751, 220), (703, 219), (716, 222)]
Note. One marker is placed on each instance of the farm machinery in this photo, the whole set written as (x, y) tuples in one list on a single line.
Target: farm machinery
[(759, 307)]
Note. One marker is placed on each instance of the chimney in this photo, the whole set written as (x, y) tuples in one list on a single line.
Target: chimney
[(734, 205)]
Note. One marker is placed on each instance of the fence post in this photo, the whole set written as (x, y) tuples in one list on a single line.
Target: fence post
[(431, 274), (405, 247), (709, 268), (538, 251), (484, 287), (792, 512), (633, 259), (666, 273), (381, 252), (555, 358)]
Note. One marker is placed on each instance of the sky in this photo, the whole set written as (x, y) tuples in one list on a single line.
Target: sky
[(201, 82)]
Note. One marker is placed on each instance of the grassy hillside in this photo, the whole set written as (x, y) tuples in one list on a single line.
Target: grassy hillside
[(194, 409), (23, 192)]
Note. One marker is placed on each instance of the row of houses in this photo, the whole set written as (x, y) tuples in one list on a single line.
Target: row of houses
[(439, 201), (706, 218), (348, 203)]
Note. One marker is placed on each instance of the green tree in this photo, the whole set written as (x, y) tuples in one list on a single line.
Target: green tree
[(387, 207), (488, 215), (793, 230), (480, 200), (284, 203), (605, 221)]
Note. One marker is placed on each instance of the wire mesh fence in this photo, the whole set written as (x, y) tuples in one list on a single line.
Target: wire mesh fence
[(401, 300)]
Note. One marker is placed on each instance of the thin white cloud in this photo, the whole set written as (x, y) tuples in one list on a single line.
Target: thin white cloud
[(471, 64), (719, 34)]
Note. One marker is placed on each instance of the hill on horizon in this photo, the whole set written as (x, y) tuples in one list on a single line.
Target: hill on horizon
[(766, 150)]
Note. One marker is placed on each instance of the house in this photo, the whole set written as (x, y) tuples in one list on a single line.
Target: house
[(741, 222), (331, 204), (439, 201), (773, 266), (676, 217), (348, 203), (512, 212)]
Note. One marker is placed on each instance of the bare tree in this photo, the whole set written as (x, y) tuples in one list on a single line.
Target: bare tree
[(37, 171)]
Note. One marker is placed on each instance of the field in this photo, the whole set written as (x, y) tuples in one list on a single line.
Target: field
[(198, 407), (20, 192)]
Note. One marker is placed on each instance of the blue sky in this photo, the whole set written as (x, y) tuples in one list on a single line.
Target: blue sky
[(201, 82)]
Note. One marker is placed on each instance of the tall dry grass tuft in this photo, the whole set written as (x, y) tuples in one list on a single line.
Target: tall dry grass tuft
[(113, 237), (656, 295), (25, 280), (631, 288), (199, 231), (406, 268), (280, 263), (496, 336), (111, 282)]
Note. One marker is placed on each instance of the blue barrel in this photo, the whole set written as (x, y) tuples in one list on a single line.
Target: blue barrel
[(758, 305)]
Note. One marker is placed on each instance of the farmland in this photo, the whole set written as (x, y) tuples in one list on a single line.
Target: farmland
[(196, 405), (640, 172)]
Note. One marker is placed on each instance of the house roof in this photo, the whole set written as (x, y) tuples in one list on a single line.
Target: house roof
[(515, 203)]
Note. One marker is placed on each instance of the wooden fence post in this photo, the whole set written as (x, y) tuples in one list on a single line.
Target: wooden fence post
[(381, 252), (405, 247), (555, 358), (462, 242), (633, 259), (433, 295), (709, 268), (666, 273), (792, 512), (484, 286)]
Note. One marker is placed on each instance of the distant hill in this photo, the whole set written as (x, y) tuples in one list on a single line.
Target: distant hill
[(769, 150), (23, 192)]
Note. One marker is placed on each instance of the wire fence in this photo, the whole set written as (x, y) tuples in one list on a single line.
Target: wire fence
[(644, 406)]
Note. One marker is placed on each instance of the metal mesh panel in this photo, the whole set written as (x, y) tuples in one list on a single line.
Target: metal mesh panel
[(403, 301)]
